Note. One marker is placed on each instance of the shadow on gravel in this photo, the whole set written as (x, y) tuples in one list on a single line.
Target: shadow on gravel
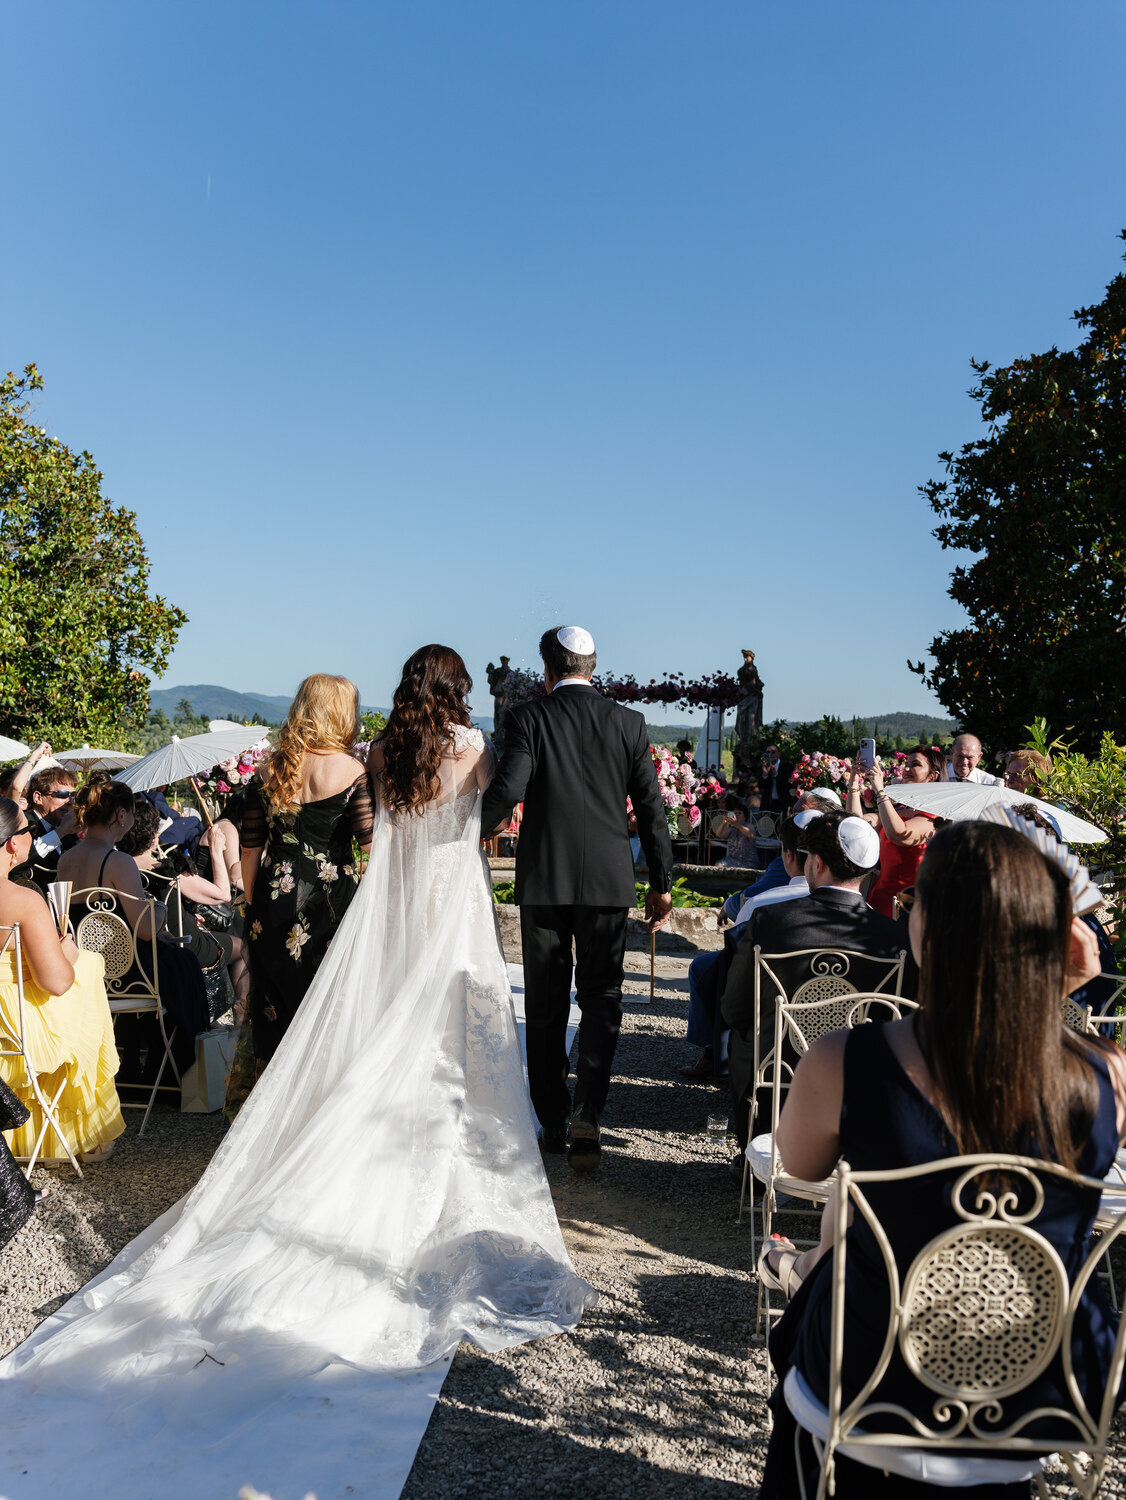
[(476, 1452)]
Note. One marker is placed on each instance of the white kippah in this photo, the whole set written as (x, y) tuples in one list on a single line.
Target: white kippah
[(575, 638), (826, 794), (859, 842), (804, 818)]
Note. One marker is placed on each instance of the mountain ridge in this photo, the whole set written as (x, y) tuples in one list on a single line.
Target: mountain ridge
[(212, 701)]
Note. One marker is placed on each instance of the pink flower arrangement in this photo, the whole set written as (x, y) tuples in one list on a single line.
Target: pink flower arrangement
[(833, 771), (679, 787), (234, 772)]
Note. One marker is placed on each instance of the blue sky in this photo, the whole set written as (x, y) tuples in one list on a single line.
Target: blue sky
[(436, 321)]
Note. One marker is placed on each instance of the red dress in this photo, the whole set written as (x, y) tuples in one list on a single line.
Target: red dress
[(898, 866)]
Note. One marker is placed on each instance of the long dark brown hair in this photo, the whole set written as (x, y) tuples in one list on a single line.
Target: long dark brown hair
[(429, 700), (996, 941)]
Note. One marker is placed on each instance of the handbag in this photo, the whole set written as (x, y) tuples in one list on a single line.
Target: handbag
[(218, 917)]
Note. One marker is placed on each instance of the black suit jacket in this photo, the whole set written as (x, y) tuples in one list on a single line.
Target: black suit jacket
[(784, 796), (572, 758), (827, 918)]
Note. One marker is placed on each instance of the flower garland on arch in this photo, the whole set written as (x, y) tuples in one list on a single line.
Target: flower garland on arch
[(714, 690)]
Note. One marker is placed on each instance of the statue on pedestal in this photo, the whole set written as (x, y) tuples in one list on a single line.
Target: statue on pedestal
[(498, 677), (748, 713)]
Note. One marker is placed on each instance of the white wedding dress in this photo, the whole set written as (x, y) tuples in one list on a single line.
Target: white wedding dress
[(435, 1225)]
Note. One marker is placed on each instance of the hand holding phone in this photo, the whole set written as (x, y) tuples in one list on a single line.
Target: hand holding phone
[(866, 758)]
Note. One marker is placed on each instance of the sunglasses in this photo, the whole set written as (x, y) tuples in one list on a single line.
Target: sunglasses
[(60, 796), (27, 828)]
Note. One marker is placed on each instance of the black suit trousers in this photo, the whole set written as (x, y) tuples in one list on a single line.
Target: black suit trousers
[(598, 934)]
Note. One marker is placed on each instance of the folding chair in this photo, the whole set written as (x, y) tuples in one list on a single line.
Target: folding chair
[(102, 929), (984, 1308), (13, 1044)]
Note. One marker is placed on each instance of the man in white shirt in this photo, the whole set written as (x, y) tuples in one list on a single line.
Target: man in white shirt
[(962, 766)]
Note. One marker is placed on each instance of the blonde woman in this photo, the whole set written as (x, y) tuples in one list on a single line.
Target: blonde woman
[(308, 813)]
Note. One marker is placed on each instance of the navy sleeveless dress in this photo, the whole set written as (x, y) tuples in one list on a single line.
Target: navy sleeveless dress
[(887, 1123)]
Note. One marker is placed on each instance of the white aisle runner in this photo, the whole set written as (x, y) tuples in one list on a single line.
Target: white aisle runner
[(342, 1434)]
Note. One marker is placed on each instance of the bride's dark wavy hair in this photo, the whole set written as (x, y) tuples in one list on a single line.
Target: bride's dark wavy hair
[(429, 700)]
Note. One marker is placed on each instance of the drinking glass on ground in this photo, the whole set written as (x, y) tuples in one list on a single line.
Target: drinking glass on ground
[(717, 1127)]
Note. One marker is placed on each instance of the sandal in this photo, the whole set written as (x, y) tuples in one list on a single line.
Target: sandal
[(780, 1277)]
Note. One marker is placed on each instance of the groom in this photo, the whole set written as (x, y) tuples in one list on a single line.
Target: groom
[(572, 758)]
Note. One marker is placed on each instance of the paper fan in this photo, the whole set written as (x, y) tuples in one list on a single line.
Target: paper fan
[(1085, 894)]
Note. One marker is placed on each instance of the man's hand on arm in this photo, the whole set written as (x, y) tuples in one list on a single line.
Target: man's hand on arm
[(658, 909)]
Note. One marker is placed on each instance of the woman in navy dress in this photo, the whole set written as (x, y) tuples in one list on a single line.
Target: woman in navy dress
[(997, 947)]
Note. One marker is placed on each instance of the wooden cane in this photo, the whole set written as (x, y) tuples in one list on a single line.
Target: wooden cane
[(652, 963)]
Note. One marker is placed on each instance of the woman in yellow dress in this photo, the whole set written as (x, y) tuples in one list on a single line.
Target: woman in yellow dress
[(67, 1023)]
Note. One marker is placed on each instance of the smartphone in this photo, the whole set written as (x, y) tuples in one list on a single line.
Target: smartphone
[(866, 759)]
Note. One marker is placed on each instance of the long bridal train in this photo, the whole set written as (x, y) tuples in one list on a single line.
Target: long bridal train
[(380, 1196)]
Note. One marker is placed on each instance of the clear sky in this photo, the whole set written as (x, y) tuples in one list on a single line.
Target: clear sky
[(438, 321)]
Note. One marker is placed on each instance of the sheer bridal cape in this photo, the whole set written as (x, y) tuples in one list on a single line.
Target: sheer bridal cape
[(380, 1196)]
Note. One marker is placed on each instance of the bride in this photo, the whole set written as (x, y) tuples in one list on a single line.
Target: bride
[(380, 1196)]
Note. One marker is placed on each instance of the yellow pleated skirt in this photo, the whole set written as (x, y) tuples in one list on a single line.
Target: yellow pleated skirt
[(69, 1040)]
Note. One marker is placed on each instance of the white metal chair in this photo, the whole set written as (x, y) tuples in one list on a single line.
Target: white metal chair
[(980, 1313), (767, 829), (13, 1044), (802, 1022), (816, 974), (102, 929)]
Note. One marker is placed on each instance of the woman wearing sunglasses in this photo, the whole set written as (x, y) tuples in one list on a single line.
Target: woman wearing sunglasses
[(67, 1023)]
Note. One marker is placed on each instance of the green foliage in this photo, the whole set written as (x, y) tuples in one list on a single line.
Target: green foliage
[(371, 724), (1042, 502), (1094, 787), (77, 622)]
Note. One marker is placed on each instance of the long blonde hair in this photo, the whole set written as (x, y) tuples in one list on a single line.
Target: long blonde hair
[(324, 715)]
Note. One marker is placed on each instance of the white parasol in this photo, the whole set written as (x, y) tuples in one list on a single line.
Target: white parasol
[(12, 749), (968, 800), (189, 757), (94, 760)]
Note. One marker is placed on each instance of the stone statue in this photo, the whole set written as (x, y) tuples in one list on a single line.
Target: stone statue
[(748, 713), (498, 677)]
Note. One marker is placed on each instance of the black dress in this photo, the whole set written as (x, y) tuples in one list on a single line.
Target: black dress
[(308, 874), (17, 1196)]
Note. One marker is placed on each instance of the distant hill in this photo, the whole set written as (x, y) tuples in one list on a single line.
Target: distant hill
[(210, 701), (911, 726)]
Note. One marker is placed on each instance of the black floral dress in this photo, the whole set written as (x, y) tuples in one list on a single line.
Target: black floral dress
[(307, 876)]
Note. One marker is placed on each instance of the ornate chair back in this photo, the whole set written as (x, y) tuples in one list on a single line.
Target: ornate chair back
[(979, 1314), (105, 921)]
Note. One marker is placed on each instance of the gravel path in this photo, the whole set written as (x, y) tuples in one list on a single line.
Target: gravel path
[(661, 1389)]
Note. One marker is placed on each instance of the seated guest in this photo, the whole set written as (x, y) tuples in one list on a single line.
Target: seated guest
[(985, 1066), (1099, 990), (840, 852), (178, 831), (68, 1030), (50, 795), (160, 870), (964, 756), (904, 831), (105, 813), (736, 831), (1027, 771), (822, 798), (707, 972)]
